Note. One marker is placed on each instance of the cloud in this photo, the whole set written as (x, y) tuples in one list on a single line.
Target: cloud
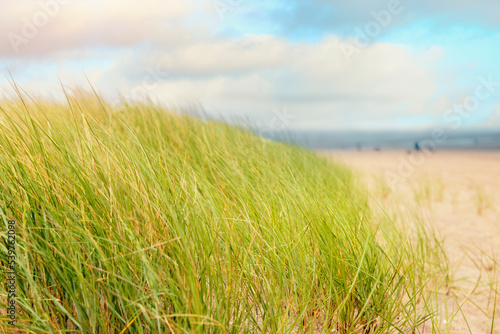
[(255, 74), (38, 28), (218, 56)]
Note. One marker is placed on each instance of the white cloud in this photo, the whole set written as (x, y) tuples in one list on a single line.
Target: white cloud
[(255, 74), (42, 27)]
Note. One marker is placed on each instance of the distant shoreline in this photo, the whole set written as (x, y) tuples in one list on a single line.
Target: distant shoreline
[(465, 150), (389, 140)]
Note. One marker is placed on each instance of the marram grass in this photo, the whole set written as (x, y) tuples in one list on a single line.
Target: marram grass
[(140, 220)]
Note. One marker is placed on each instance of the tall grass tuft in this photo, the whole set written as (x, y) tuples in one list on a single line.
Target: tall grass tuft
[(138, 219)]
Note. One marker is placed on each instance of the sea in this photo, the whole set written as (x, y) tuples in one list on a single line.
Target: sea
[(435, 139)]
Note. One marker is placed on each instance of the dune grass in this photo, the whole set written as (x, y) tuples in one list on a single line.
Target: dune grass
[(138, 219)]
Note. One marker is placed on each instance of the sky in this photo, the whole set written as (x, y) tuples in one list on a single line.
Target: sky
[(299, 64)]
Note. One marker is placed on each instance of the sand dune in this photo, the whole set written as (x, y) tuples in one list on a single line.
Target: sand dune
[(457, 193)]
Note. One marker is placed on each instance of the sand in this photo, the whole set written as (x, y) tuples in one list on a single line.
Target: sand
[(457, 193)]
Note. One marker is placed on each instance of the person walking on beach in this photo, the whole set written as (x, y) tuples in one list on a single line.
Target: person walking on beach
[(417, 147)]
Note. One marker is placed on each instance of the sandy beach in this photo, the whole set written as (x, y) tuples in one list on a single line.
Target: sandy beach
[(457, 193)]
